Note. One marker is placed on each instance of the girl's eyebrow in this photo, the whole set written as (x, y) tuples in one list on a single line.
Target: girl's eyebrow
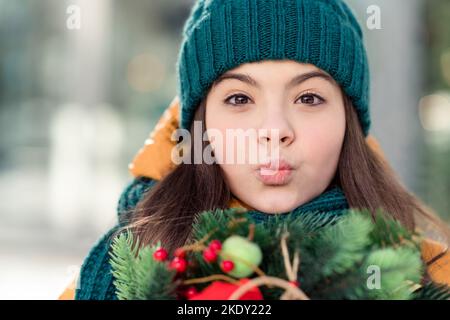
[(294, 81)]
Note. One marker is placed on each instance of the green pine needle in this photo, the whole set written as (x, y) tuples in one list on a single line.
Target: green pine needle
[(347, 239), (123, 263), (433, 291), (137, 275), (388, 232), (399, 268)]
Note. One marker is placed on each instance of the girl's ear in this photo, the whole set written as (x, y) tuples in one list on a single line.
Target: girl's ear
[(153, 160)]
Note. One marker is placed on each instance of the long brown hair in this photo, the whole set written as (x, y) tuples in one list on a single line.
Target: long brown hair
[(166, 212)]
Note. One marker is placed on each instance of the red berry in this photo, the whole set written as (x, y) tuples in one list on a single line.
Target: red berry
[(227, 265), (216, 245), (178, 264), (160, 254), (190, 292), (209, 255), (180, 253), (295, 283)]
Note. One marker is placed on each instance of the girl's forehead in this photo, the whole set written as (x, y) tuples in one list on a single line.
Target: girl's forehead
[(270, 71)]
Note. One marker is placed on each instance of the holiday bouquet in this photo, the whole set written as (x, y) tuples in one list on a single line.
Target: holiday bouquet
[(231, 257)]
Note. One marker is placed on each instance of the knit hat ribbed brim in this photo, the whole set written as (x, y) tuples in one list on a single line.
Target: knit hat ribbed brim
[(220, 35)]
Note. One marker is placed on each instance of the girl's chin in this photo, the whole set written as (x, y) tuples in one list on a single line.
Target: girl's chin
[(275, 204)]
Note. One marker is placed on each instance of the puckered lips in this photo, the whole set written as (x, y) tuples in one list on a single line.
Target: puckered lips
[(277, 172)]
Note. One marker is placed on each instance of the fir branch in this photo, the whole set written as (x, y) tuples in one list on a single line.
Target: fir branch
[(432, 291), (399, 268), (334, 249), (350, 236), (388, 232), (123, 263), (154, 279), (137, 276)]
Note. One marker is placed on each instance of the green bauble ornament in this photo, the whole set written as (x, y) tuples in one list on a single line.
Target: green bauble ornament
[(244, 253)]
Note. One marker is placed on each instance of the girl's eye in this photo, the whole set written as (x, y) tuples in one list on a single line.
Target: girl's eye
[(237, 99), (311, 99)]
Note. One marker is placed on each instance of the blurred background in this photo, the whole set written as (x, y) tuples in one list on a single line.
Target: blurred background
[(77, 101)]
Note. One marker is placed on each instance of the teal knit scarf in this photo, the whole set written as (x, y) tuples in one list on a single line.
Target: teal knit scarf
[(96, 281)]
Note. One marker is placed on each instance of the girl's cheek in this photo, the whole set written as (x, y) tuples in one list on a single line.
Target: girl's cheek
[(322, 141), (227, 127)]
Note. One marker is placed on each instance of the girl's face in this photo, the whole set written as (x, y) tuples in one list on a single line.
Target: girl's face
[(295, 114)]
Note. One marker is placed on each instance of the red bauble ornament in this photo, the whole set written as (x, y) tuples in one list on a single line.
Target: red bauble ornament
[(215, 245), (160, 254), (209, 255), (219, 290), (179, 264), (227, 265)]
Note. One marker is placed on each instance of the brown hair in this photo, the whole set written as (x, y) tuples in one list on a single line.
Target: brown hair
[(166, 212)]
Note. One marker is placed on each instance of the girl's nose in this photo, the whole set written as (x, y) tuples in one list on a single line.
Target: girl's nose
[(276, 129)]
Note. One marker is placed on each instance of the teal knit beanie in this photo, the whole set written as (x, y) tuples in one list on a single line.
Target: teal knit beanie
[(220, 35)]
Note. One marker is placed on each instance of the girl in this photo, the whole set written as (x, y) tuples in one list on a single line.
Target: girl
[(296, 72)]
